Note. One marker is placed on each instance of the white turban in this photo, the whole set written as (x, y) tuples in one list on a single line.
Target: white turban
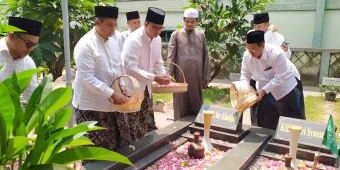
[(190, 13)]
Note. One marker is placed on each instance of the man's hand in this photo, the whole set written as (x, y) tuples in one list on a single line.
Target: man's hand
[(260, 93), (162, 79), (205, 84), (284, 47), (117, 98), (123, 90)]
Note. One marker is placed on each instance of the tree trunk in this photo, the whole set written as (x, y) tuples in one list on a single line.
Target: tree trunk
[(58, 67)]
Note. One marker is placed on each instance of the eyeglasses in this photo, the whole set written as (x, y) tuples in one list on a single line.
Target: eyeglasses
[(28, 44)]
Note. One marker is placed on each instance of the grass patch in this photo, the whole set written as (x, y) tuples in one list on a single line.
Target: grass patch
[(165, 97), (313, 104), (315, 111), (313, 108), (211, 95), (217, 96)]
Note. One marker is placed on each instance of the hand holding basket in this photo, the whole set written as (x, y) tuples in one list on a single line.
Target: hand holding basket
[(242, 95), (128, 86), (173, 87)]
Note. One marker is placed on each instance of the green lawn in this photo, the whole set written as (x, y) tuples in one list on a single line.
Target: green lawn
[(313, 108), (314, 105), (212, 95), (165, 97)]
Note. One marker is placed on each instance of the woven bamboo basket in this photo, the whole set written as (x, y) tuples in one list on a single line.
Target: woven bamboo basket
[(242, 96), (134, 91), (173, 87)]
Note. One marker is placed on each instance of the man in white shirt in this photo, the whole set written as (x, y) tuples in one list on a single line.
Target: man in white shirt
[(275, 82), (14, 50), (143, 61), (133, 22), (98, 63), (261, 22)]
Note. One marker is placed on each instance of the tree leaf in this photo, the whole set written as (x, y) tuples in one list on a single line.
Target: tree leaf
[(7, 110), (23, 79), (14, 145), (4, 136), (79, 142), (54, 101), (89, 153), (34, 100), (4, 28), (61, 118), (82, 127)]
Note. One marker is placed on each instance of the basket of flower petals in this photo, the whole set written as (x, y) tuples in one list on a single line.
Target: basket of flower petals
[(132, 90), (173, 86), (242, 95)]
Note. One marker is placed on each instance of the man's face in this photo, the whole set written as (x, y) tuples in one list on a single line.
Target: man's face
[(152, 30), (255, 49), (190, 23), (106, 27), (134, 24), (23, 44), (262, 26)]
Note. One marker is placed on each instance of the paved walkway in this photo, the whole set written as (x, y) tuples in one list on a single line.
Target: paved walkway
[(166, 118)]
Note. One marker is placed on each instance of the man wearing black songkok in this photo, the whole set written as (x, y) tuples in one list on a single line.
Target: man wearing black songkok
[(98, 63), (133, 22), (15, 47), (275, 82), (143, 60)]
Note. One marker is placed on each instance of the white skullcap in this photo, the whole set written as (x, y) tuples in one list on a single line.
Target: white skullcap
[(190, 13)]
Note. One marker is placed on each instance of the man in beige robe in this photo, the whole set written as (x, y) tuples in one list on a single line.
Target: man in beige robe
[(188, 48)]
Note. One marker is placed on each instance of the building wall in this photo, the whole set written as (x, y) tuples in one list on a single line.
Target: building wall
[(173, 9), (295, 19)]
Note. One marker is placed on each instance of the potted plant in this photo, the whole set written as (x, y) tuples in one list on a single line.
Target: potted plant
[(330, 91), (36, 136)]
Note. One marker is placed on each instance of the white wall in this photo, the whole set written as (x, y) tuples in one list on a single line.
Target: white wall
[(294, 21), (331, 33), (173, 11), (296, 26)]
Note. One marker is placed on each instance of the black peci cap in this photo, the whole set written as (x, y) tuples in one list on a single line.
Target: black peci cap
[(106, 12), (260, 18), (132, 15), (31, 27), (155, 15), (255, 37)]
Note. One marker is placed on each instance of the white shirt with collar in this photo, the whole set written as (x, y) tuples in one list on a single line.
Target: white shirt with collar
[(276, 38), (271, 71), (18, 65), (98, 63), (143, 57)]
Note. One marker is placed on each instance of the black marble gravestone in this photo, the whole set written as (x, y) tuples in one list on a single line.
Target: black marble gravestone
[(226, 124), (310, 140)]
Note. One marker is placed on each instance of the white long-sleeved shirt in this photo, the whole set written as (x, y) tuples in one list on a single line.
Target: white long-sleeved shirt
[(17, 65), (122, 37), (98, 63), (143, 57), (276, 38), (271, 71)]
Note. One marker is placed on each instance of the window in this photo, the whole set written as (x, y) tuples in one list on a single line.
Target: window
[(166, 33)]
